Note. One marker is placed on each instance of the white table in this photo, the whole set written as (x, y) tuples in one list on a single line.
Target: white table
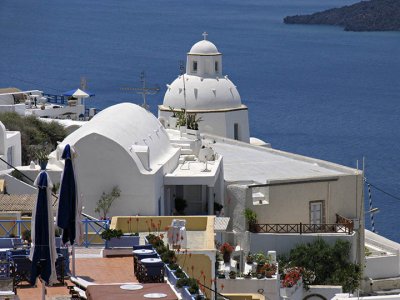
[(143, 251), (151, 260)]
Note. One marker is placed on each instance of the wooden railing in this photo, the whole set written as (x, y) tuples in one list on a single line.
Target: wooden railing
[(345, 221), (302, 228)]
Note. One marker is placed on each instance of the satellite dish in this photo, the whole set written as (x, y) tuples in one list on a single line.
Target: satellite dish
[(206, 155)]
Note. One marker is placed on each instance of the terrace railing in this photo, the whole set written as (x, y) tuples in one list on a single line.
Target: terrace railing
[(93, 230), (14, 227), (301, 228), (91, 236)]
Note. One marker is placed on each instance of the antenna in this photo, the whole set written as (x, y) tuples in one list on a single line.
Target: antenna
[(83, 83), (182, 68), (144, 90)]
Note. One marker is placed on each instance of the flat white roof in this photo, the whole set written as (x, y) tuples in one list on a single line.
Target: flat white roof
[(192, 173), (245, 162)]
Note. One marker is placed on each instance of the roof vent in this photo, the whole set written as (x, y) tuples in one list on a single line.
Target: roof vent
[(143, 153)]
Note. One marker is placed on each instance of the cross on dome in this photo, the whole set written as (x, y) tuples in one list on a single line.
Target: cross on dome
[(205, 35)]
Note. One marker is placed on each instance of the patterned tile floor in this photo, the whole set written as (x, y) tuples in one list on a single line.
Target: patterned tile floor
[(91, 267)]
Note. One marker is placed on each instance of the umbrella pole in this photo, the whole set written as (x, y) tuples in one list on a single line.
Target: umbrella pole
[(73, 260), (43, 289)]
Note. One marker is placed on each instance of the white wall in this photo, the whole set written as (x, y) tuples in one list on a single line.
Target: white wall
[(14, 141), (221, 123), (15, 186), (386, 266), (289, 204), (326, 291), (102, 164), (241, 285), (18, 108)]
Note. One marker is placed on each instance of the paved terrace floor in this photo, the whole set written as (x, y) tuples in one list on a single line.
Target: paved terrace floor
[(91, 267)]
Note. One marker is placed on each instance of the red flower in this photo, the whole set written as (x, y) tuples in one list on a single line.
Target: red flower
[(226, 248)]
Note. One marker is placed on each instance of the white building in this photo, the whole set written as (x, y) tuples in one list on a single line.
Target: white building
[(34, 103), (204, 90), (10, 147)]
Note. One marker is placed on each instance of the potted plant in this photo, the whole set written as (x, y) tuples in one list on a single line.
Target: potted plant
[(172, 120), (115, 239), (226, 250), (181, 122), (249, 259), (192, 125), (190, 291), (232, 275), (251, 218), (269, 269), (260, 260), (42, 157)]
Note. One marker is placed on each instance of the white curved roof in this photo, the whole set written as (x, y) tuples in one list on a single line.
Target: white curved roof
[(204, 47), (202, 94), (127, 124)]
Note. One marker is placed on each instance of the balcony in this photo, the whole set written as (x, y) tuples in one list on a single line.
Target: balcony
[(342, 225)]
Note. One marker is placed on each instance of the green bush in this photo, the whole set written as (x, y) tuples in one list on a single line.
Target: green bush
[(34, 133), (327, 265), (108, 234)]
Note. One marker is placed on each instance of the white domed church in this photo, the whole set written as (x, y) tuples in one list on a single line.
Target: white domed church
[(204, 90)]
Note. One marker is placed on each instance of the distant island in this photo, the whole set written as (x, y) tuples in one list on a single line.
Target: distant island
[(373, 15)]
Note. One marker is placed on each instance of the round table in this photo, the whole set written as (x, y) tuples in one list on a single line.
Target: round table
[(151, 260), (143, 251)]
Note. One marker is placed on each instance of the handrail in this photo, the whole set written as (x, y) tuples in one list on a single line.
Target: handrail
[(27, 177), (214, 291), (302, 228)]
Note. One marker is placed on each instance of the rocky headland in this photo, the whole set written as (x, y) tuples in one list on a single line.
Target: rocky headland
[(373, 15)]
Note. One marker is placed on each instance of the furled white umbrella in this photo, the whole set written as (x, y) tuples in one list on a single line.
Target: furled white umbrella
[(69, 204), (43, 252)]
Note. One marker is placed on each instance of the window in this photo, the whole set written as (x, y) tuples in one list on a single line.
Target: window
[(236, 131), (216, 66), (195, 66), (10, 157), (317, 216)]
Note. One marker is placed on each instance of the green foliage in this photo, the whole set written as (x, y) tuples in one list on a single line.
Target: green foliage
[(181, 282), (34, 133), (181, 115), (108, 234), (168, 257), (250, 216), (106, 200), (329, 265)]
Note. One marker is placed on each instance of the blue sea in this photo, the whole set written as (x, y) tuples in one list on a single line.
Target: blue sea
[(313, 90)]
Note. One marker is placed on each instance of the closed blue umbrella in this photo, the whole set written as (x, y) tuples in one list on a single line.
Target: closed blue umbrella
[(43, 249), (69, 206), (66, 216)]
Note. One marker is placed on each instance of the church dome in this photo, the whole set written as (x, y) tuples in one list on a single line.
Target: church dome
[(204, 47), (202, 94)]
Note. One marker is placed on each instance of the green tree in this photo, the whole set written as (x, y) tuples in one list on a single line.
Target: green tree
[(35, 133), (329, 264), (105, 202)]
